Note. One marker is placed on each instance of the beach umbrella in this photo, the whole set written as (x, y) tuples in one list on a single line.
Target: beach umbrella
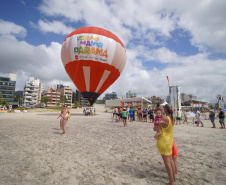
[(93, 58)]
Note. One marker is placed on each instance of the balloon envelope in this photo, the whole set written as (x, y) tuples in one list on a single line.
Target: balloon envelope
[(93, 58)]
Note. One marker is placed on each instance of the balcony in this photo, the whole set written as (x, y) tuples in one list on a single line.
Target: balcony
[(27, 96)]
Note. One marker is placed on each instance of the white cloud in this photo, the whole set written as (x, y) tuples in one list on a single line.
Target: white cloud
[(204, 20), (54, 27), (8, 28), (43, 62), (138, 24), (195, 74)]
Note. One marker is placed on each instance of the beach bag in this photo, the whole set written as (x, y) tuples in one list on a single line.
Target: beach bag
[(68, 115)]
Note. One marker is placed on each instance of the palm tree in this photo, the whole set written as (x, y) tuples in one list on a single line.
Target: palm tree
[(4, 102)]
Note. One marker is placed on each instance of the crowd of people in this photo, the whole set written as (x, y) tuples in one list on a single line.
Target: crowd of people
[(143, 115), (164, 123), (89, 111), (147, 114)]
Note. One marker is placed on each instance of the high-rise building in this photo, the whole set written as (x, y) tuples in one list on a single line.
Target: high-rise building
[(7, 89), (59, 86), (186, 97), (130, 94), (67, 93), (41, 88), (53, 94), (78, 97), (32, 92), (110, 96)]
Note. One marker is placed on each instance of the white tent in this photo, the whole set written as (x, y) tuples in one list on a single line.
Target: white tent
[(164, 103)]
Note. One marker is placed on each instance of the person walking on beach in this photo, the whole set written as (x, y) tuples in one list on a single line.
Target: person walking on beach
[(117, 113), (113, 112), (151, 115), (139, 114), (144, 114), (120, 113), (124, 117), (131, 113), (212, 118), (178, 117), (66, 116), (61, 117), (221, 118), (185, 117), (198, 117), (165, 142), (127, 113)]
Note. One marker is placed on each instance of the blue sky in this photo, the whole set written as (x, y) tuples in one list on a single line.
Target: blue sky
[(183, 40)]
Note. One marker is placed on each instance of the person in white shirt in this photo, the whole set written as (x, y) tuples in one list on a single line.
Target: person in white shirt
[(198, 117)]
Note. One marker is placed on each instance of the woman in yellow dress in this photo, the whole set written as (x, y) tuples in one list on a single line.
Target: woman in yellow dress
[(165, 142)]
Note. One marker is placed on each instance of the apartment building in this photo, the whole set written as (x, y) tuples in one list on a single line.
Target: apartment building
[(41, 88), (53, 94), (186, 97), (32, 92), (67, 93), (110, 96), (77, 96), (130, 94), (7, 89)]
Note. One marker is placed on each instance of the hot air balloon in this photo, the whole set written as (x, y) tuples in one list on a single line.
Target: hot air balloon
[(93, 58)]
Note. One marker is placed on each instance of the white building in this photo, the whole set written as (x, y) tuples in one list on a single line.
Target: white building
[(53, 94), (130, 94), (32, 92), (67, 93)]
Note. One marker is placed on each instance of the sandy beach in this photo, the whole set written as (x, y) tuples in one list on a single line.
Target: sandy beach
[(96, 150)]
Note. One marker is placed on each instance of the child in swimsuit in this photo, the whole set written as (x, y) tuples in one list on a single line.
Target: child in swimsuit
[(158, 120)]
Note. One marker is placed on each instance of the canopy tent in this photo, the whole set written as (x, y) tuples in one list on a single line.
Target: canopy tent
[(163, 104), (137, 101)]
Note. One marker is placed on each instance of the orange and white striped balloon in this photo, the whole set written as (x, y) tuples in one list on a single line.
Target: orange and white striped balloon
[(93, 58)]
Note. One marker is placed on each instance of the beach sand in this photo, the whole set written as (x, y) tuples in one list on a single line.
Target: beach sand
[(96, 150)]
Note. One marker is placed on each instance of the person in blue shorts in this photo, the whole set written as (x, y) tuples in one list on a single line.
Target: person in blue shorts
[(212, 118), (131, 113), (221, 118)]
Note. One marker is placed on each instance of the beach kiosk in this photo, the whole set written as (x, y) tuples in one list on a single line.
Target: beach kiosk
[(128, 102)]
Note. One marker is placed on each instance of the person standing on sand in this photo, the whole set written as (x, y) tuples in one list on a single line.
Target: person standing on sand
[(212, 118), (127, 113), (120, 113), (113, 112), (139, 114), (198, 117), (61, 118), (65, 116), (94, 111), (144, 114), (178, 117), (131, 113), (221, 118), (124, 117), (117, 113), (151, 115), (165, 143), (185, 117)]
